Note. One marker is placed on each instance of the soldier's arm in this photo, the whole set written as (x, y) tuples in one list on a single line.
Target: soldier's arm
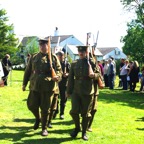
[(70, 83), (27, 74), (96, 69), (58, 67)]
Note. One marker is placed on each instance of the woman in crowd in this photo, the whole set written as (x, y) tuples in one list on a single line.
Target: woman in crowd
[(133, 73)]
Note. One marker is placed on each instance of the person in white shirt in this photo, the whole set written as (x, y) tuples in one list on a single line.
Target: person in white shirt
[(106, 65), (123, 74)]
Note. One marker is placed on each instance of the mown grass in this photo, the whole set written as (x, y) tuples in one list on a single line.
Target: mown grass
[(119, 120)]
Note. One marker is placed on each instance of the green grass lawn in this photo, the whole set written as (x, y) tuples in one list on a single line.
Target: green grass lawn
[(119, 120)]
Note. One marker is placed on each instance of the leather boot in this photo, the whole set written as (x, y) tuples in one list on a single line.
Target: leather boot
[(85, 121), (62, 111), (54, 114), (37, 117), (44, 132), (84, 136), (44, 120), (50, 119), (76, 120), (50, 125), (36, 124), (75, 133), (90, 121)]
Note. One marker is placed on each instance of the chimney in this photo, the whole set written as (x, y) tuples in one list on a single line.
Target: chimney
[(56, 32)]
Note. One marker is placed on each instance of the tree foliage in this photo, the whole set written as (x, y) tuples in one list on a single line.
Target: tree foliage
[(133, 41), (8, 41)]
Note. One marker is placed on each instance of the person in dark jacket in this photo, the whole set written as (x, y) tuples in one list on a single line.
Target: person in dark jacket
[(133, 73), (6, 64), (62, 84), (110, 74)]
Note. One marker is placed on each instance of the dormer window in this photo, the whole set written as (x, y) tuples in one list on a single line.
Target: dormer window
[(117, 52)]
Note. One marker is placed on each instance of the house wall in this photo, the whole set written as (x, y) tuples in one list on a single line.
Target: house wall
[(116, 53), (72, 56), (99, 58), (70, 41)]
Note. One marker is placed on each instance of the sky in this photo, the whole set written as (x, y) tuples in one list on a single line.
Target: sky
[(72, 17)]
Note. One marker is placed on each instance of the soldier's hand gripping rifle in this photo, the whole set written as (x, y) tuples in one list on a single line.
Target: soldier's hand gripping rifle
[(100, 82), (53, 73)]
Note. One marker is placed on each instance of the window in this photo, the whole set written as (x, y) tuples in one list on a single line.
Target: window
[(117, 52)]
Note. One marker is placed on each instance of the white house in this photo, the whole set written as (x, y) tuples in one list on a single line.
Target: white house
[(112, 51), (69, 42), (63, 40), (73, 52)]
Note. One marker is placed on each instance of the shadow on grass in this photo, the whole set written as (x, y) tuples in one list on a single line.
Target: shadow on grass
[(62, 122), (27, 133), (21, 132), (127, 98), (140, 129), (47, 140), (24, 120), (54, 121), (139, 120)]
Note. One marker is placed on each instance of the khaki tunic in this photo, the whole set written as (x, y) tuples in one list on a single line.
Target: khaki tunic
[(39, 74), (78, 81), (81, 87), (42, 87)]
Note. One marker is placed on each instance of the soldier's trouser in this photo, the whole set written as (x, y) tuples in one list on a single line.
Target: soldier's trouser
[(85, 121), (53, 107), (93, 110), (81, 104), (63, 99), (43, 101), (76, 120)]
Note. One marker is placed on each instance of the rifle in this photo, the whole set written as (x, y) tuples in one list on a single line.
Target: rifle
[(87, 52), (100, 83), (65, 68), (53, 73)]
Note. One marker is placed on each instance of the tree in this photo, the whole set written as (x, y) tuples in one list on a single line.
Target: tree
[(8, 42), (137, 6), (133, 41)]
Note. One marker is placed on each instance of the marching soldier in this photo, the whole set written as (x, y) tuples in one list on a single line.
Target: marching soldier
[(42, 83), (81, 88), (62, 84), (97, 85)]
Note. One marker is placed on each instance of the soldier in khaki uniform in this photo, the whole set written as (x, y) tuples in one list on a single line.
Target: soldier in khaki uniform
[(81, 88), (62, 84), (42, 84), (96, 93), (94, 105)]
